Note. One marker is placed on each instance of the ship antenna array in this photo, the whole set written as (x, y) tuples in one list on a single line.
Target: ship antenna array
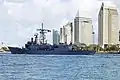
[(42, 32)]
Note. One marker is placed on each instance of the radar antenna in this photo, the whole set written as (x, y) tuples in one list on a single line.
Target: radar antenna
[(42, 32)]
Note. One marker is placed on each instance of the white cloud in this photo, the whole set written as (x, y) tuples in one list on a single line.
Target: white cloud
[(15, 1), (20, 18)]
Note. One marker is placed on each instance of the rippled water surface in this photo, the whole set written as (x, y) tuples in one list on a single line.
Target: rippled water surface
[(37, 67)]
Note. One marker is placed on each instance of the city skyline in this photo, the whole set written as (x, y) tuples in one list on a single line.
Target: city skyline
[(108, 28), (21, 18)]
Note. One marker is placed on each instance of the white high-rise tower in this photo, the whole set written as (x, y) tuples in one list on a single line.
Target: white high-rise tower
[(83, 30), (108, 25)]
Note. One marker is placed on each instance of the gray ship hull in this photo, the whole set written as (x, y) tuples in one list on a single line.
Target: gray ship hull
[(15, 50)]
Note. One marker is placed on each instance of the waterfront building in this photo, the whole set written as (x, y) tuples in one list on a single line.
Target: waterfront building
[(60, 35), (66, 33), (62, 32), (56, 37), (108, 25), (83, 30)]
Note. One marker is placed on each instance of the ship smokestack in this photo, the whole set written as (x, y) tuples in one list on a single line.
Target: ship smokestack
[(35, 39), (31, 40)]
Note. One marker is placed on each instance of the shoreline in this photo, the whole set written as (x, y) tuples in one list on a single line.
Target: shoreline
[(99, 52), (107, 52), (4, 52)]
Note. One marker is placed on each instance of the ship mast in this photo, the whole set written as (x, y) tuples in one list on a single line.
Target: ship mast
[(42, 32)]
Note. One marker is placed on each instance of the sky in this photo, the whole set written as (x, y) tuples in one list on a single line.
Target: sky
[(19, 19)]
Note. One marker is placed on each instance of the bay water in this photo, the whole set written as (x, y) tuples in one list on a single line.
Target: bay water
[(51, 67)]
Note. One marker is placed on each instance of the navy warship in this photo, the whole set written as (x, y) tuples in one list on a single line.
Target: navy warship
[(39, 45)]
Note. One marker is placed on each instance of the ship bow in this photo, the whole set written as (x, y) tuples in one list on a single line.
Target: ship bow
[(15, 50)]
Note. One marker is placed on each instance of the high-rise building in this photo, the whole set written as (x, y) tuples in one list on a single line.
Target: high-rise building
[(56, 37), (108, 25), (62, 32), (61, 35), (66, 33), (83, 30)]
